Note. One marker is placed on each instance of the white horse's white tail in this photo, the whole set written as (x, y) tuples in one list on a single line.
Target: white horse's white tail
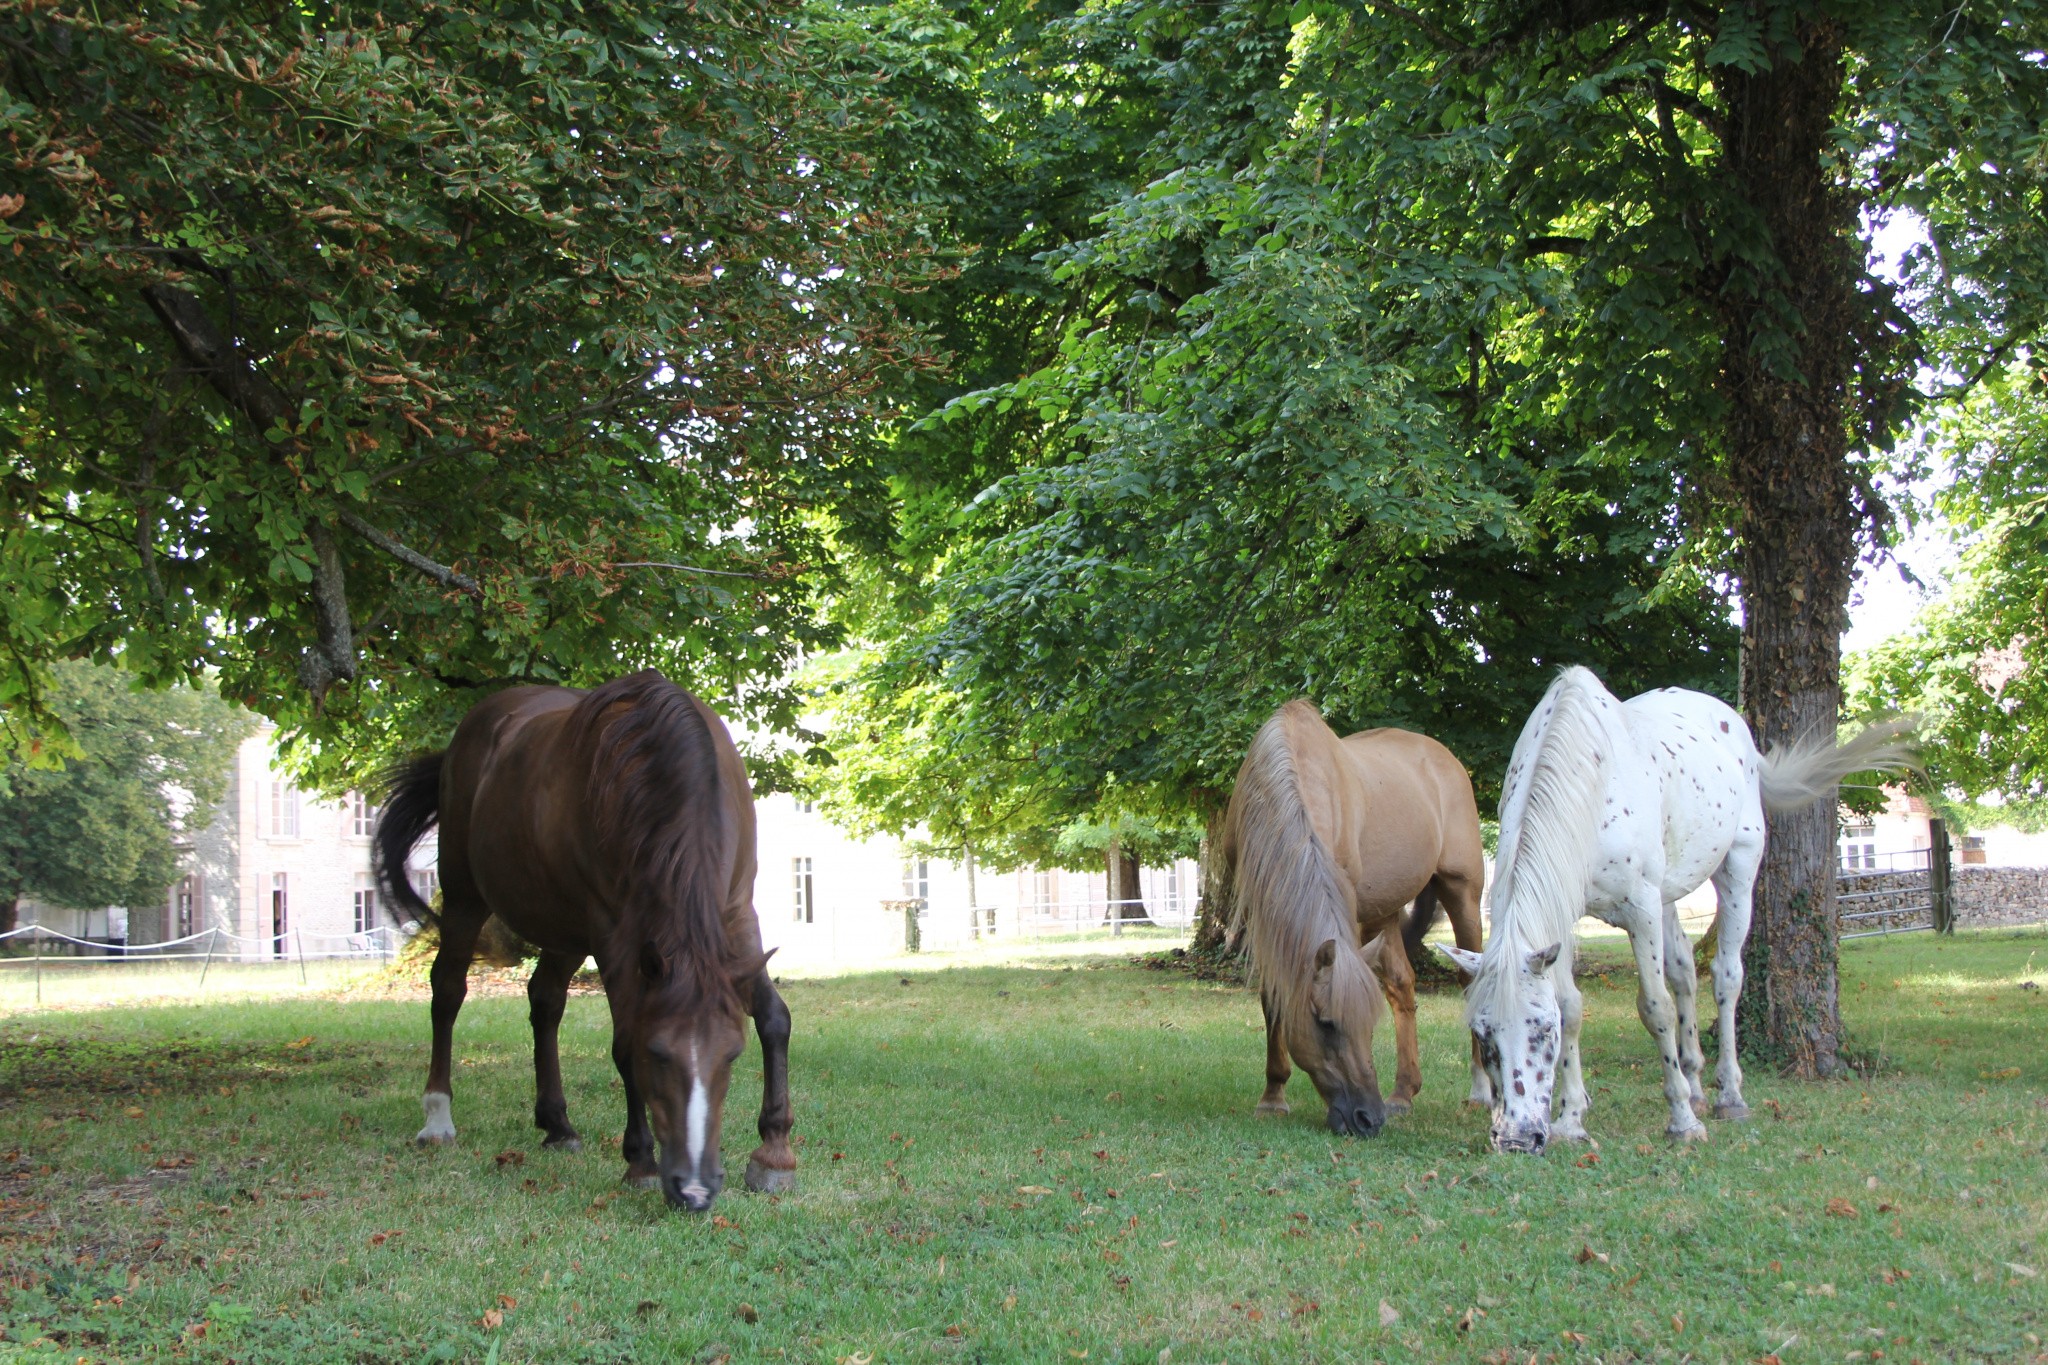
[(1803, 772)]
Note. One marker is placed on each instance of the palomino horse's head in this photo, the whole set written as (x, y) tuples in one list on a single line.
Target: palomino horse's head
[(1330, 1037), (683, 1044), (1511, 1007)]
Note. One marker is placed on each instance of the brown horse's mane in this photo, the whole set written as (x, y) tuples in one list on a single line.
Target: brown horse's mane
[(1288, 895), (655, 799)]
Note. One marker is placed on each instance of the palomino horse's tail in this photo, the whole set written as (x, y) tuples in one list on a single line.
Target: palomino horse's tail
[(1420, 920), (412, 806), (657, 802), (1802, 773)]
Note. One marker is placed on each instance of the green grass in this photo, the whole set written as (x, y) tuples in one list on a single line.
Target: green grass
[(306, 1228)]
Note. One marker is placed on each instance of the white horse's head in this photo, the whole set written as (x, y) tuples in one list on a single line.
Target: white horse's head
[(1511, 1008)]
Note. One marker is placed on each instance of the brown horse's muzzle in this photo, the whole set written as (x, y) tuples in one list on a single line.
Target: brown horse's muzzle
[(692, 1193), (1355, 1115)]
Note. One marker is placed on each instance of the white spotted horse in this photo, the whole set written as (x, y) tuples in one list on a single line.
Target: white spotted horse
[(1617, 810), (618, 824)]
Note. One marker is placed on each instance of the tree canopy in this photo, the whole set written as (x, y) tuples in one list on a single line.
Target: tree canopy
[(367, 356), (101, 828)]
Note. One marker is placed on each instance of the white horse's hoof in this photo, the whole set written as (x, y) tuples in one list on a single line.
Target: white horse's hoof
[(643, 1182), (1272, 1107), (440, 1129), (1696, 1133), (769, 1179), (1699, 1106), (1735, 1111), (1578, 1137)]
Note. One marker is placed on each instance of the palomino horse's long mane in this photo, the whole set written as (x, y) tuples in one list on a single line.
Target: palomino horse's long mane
[(1288, 894), (1549, 824), (656, 801)]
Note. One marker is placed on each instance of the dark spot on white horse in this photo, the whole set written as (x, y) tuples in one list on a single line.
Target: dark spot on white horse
[(1724, 727)]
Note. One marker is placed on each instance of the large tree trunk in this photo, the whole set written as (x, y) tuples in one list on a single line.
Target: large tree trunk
[(1126, 896), (1786, 381), (10, 913), (1212, 916)]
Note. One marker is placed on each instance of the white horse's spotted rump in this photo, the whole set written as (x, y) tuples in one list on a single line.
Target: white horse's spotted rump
[(1618, 810)]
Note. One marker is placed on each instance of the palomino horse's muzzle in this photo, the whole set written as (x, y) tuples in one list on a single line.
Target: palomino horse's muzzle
[(1357, 1115)]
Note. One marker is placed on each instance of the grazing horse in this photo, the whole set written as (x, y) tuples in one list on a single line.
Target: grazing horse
[(618, 824), (1328, 840), (1617, 810)]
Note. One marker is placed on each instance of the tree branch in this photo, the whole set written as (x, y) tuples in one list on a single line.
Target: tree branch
[(250, 392), (1554, 245), (440, 573)]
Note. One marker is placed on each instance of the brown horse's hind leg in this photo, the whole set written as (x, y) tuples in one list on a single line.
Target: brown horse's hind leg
[(772, 1167), (450, 979), (1274, 1101), (547, 994), (1397, 975)]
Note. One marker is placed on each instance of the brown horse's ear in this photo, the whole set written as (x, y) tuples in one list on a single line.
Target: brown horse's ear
[(747, 968), (653, 966)]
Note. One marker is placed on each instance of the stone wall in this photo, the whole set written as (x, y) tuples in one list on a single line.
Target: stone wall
[(1987, 896)]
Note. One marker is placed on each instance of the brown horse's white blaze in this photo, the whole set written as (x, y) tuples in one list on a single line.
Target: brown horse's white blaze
[(1327, 841), (616, 824), (1617, 810)]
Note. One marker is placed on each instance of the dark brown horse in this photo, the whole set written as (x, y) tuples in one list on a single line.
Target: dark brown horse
[(618, 824)]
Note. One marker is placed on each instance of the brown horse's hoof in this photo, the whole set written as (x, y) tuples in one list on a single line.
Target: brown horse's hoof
[(1396, 1106), (563, 1144), (1275, 1107), (643, 1182), (765, 1179), (1735, 1112)]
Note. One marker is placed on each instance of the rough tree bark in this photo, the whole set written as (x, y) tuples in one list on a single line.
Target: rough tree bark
[(1788, 429), (1212, 916), (10, 913)]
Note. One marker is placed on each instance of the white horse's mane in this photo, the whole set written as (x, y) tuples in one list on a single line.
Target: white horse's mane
[(1549, 825), (1287, 892)]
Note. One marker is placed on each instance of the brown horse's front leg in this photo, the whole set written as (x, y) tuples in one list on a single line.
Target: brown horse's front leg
[(1274, 1101), (638, 1144), (772, 1167), (547, 995), (450, 980), (1397, 975)]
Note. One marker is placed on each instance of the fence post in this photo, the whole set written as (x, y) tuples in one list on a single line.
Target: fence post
[(299, 943), (212, 938), (1940, 881), (37, 939)]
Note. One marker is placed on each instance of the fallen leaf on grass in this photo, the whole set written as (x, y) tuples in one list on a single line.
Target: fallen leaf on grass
[(1471, 1315), (492, 1320), (1588, 1160), (2016, 1268), (954, 1330), (304, 1042), (1841, 1208), (507, 1302), (132, 1112), (378, 1239), (1678, 1322), (1033, 1189), (2002, 1074), (747, 1313), (510, 1157), (1587, 1253), (1573, 1338), (1388, 1317)]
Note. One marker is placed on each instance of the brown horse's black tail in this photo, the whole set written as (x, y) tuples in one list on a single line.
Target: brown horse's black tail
[(1420, 920), (412, 806)]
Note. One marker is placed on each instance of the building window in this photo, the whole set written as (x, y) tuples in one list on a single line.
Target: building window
[(806, 890), (284, 809), (365, 903), (917, 879), (1973, 848), (804, 807), (1041, 890), (362, 815), (280, 912), (1859, 849), (426, 881), (184, 900), (1173, 888)]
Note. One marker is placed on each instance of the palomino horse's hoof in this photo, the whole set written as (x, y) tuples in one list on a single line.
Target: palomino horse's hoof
[(563, 1144), (1272, 1107), (1733, 1110), (763, 1179), (642, 1182), (1696, 1133)]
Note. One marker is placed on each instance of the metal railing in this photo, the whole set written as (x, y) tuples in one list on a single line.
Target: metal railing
[(1913, 891), (379, 944)]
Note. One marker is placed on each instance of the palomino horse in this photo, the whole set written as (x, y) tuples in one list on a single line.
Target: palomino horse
[(616, 823), (1617, 810), (1329, 839)]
